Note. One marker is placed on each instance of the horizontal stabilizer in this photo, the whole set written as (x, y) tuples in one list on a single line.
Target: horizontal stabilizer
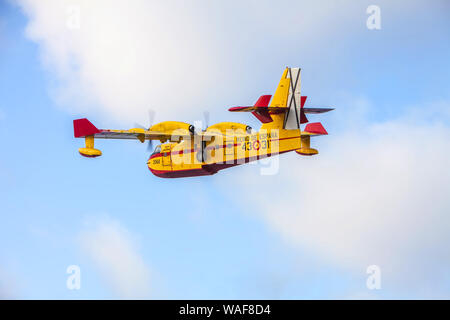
[(314, 129), (272, 110), (260, 110), (262, 114), (317, 110), (263, 101)]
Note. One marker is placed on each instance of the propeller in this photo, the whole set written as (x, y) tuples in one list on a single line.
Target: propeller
[(201, 126), (198, 128), (151, 117), (206, 118)]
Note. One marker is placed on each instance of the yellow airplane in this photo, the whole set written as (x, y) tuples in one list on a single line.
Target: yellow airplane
[(184, 152)]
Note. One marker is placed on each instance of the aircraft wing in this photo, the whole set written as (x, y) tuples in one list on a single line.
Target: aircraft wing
[(135, 133), (83, 127)]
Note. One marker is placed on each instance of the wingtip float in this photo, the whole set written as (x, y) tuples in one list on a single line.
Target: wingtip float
[(184, 152)]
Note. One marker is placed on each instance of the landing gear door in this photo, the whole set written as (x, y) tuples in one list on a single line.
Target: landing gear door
[(165, 150)]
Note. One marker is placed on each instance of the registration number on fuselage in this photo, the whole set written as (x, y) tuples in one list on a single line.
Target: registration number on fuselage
[(253, 143)]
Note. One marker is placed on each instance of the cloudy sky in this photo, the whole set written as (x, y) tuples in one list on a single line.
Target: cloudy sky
[(377, 194)]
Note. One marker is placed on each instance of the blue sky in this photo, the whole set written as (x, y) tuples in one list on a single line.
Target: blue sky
[(236, 234)]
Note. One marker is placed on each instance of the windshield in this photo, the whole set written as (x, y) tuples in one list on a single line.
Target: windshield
[(157, 149)]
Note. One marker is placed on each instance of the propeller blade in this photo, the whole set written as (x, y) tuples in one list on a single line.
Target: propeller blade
[(140, 126), (150, 145), (151, 117), (206, 118)]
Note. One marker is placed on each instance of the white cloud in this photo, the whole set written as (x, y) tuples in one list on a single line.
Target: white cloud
[(114, 251), (123, 59), (181, 58), (173, 57), (377, 194)]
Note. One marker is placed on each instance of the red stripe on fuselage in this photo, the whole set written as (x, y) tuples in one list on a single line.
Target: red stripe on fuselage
[(180, 173)]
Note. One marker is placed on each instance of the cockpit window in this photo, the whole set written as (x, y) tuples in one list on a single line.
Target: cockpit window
[(157, 149)]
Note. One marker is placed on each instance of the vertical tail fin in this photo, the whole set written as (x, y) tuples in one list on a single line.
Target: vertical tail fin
[(292, 119), (288, 96)]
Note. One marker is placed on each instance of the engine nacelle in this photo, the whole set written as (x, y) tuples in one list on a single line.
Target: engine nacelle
[(234, 126), (175, 128)]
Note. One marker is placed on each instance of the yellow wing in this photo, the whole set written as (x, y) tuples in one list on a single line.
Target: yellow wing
[(165, 131), (135, 133), (162, 131)]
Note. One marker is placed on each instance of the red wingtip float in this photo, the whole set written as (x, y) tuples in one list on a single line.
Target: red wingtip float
[(186, 152)]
